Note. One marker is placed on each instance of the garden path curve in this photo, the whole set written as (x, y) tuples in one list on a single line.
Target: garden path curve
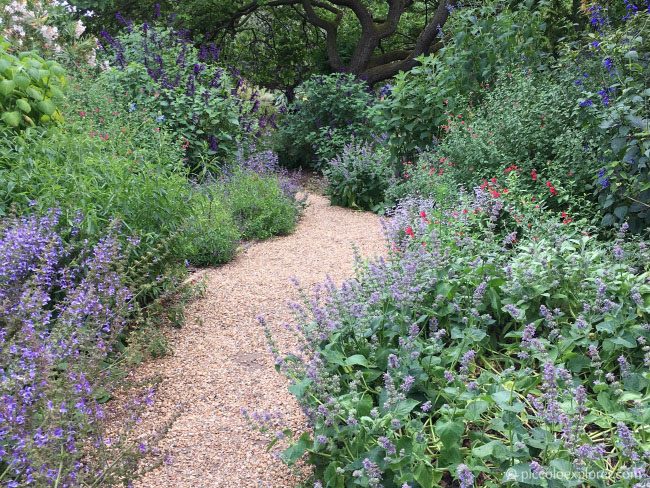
[(221, 362)]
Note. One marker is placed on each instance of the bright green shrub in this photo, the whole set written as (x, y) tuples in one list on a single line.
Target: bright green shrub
[(30, 89), (359, 176), (211, 235), (412, 115), (259, 206), (329, 111)]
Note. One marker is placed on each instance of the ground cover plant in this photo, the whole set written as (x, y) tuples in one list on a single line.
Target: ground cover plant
[(64, 304), (472, 355)]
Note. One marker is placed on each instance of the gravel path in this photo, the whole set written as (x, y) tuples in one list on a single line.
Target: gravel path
[(221, 362)]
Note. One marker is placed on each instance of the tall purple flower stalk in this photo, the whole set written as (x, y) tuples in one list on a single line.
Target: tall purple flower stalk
[(61, 308)]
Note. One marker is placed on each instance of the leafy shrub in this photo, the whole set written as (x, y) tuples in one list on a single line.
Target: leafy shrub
[(424, 178), (415, 109), (30, 89), (258, 204), (64, 304), (111, 162), (466, 358), (203, 104), (329, 111), (359, 176), (47, 27), (212, 235), (613, 77), (527, 123)]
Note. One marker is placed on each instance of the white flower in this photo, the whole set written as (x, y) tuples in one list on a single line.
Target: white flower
[(79, 29), (92, 59), (49, 32)]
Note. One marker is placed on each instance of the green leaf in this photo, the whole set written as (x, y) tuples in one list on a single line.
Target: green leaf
[(12, 119), (295, 451), (23, 105), (34, 93), (621, 211), (474, 410), (450, 432), (46, 107), (425, 476), (405, 407), (298, 389), (6, 87), (487, 449), (356, 360)]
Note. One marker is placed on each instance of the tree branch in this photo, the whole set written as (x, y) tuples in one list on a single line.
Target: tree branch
[(331, 31)]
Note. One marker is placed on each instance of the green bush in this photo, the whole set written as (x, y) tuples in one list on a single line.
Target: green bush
[(159, 70), (211, 236), (329, 111), (413, 113), (30, 89), (108, 162), (613, 76), (528, 124), (259, 206), (359, 176)]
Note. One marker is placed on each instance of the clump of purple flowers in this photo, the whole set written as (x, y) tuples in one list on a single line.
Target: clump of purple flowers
[(63, 303)]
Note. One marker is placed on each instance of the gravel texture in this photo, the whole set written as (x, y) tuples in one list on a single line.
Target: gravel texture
[(221, 362)]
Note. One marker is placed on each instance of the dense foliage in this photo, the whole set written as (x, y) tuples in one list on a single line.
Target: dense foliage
[(415, 111), (329, 111), (614, 82), (477, 354), (205, 106), (359, 176), (30, 88)]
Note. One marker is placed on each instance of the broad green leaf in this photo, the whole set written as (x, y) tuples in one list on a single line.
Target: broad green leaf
[(295, 451), (6, 87), (356, 360), (12, 119)]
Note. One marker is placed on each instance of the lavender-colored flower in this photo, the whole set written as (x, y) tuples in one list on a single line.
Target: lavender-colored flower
[(387, 445), (407, 384), (464, 476), (627, 441), (393, 361)]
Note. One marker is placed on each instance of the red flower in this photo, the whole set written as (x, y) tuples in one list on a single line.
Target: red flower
[(493, 180), (82, 114), (551, 188), (423, 214), (512, 167), (409, 231), (495, 193), (533, 175)]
